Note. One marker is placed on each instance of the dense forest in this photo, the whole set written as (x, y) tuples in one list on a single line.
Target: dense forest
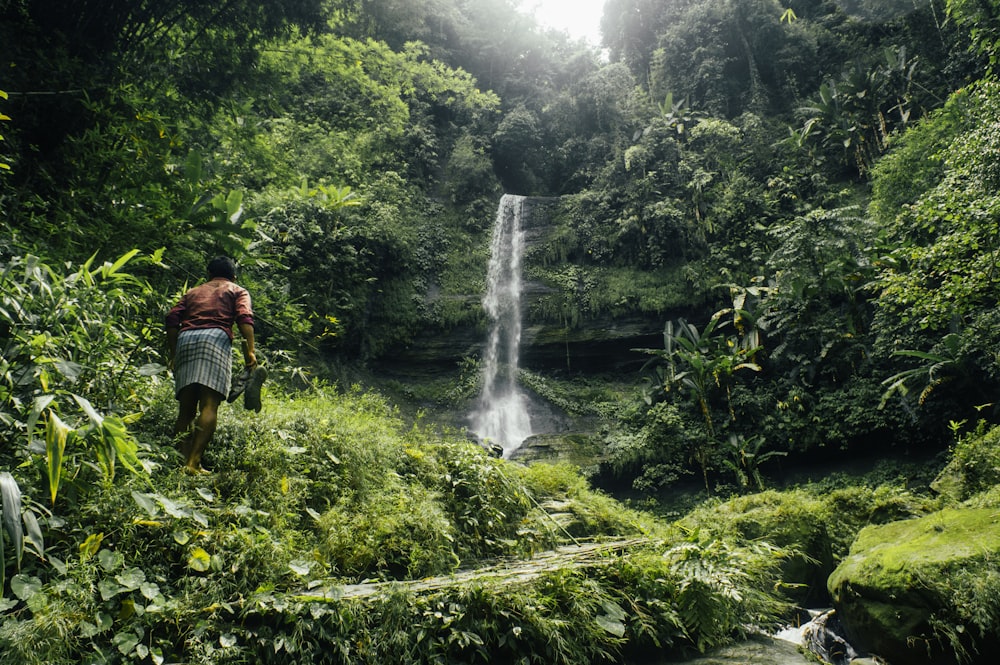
[(798, 195)]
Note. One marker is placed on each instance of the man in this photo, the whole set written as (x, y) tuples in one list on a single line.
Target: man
[(199, 346)]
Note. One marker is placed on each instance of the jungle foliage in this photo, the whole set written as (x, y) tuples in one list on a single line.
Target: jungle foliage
[(325, 488), (802, 195)]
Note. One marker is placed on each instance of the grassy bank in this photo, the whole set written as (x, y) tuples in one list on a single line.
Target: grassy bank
[(325, 490)]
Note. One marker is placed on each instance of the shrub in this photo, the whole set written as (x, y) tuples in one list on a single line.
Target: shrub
[(974, 465), (401, 532)]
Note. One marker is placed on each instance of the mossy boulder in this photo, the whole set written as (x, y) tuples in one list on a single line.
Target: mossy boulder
[(917, 591), (759, 650), (581, 449)]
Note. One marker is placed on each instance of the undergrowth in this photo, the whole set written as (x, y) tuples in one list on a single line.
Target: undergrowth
[(325, 489)]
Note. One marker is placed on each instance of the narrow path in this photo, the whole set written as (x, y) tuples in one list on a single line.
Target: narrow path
[(519, 570)]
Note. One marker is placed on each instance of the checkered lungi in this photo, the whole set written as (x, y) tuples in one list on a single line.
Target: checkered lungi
[(203, 356)]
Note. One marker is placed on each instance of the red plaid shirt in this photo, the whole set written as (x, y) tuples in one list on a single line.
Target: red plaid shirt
[(215, 304)]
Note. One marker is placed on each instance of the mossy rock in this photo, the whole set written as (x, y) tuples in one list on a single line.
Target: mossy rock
[(853, 508), (759, 651), (578, 448), (899, 586)]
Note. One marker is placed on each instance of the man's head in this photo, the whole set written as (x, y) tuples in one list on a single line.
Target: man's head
[(222, 266)]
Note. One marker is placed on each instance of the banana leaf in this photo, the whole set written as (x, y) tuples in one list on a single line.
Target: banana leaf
[(10, 495)]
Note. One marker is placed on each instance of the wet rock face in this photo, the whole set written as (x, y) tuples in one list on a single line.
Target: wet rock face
[(903, 581), (599, 345), (580, 448), (760, 650), (823, 637)]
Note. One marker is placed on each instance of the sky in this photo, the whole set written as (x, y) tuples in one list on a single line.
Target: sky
[(580, 18)]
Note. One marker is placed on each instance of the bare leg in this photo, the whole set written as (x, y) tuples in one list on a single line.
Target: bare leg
[(204, 428), (187, 409)]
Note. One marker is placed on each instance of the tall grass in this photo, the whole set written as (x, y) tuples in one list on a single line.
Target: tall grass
[(325, 489)]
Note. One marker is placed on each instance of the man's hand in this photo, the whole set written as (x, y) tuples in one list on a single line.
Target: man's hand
[(249, 355)]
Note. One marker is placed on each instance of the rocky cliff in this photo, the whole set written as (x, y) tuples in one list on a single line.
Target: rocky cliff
[(598, 345)]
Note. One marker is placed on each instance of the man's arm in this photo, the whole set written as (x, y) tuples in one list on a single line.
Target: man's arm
[(172, 335), (249, 355)]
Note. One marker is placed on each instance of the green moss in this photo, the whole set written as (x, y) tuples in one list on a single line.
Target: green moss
[(853, 508), (905, 587), (948, 538)]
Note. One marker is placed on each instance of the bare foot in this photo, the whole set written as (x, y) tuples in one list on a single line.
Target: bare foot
[(196, 470)]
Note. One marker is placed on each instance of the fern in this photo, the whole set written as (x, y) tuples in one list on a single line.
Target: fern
[(718, 589)]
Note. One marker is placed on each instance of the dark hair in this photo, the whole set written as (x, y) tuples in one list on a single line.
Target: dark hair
[(222, 266)]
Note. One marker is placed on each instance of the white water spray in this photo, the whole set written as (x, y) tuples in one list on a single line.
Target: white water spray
[(502, 414)]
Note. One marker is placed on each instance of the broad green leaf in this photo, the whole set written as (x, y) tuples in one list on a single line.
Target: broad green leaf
[(34, 532), (104, 621), (152, 369), (10, 494), (613, 619), (146, 502), (25, 586), (91, 545), (125, 258), (171, 507), (199, 560), (110, 560), (234, 205), (58, 564), (126, 642), (299, 567), (124, 444), (149, 590), (227, 640), (616, 628), (88, 629), (193, 167), (56, 435), (181, 537), (38, 406), (131, 579), (89, 409), (69, 369), (109, 588)]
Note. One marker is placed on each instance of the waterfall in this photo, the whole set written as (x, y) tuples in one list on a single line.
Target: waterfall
[(502, 412)]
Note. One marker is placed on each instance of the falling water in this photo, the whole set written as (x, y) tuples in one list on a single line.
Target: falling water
[(502, 414)]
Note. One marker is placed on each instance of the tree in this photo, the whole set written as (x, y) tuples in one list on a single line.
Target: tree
[(702, 364), (95, 31), (939, 273), (728, 57), (982, 19)]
